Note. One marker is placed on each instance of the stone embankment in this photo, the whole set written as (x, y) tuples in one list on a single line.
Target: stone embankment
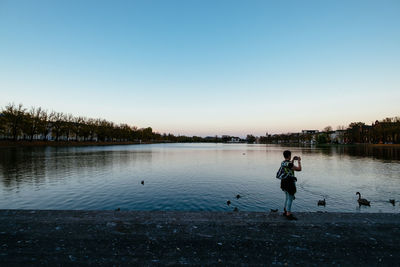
[(196, 238)]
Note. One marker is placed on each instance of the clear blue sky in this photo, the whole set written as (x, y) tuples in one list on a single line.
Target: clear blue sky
[(204, 67)]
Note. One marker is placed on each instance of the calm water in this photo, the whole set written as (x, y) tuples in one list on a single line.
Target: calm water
[(196, 177)]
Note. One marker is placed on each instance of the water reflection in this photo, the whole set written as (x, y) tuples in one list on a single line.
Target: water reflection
[(34, 165), (382, 152), (390, 153), (196, 177)]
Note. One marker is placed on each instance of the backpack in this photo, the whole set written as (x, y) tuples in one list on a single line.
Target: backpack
[(282, 173)]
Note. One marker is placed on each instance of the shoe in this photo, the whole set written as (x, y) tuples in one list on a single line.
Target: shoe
[(291, 217)]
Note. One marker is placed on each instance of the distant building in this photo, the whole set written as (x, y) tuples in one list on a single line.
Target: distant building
[(310, 136), (309, 131), (337, 137), (234, 140)]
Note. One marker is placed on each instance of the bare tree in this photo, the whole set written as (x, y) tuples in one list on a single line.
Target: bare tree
[(14, 118), (33, 122), (2, 124), (341, 127), (78, 127), (15, 122), (68, 121), (44, 127), (57, 123)]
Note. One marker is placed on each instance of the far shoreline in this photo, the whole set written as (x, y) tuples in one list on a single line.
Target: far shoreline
[(36, 143), (7, 143)]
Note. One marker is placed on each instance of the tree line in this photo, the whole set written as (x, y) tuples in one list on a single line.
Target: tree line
[(34, 124), (385, 131)]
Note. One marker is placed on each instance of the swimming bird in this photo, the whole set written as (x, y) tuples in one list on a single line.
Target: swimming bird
[(118, 209), (321, 202), (228, 202), (237, 196), (362, 201), (274, 210), (392, 201), (142, 182), (235, 209)]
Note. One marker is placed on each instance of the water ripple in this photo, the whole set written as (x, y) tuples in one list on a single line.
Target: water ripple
[(195, 177)]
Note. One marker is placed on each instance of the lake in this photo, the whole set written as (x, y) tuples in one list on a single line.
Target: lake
[(196, 177)]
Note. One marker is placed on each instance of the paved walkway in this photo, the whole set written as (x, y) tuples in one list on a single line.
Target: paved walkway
[(197, 238)]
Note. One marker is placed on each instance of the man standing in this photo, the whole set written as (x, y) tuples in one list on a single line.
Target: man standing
[(288, 181)]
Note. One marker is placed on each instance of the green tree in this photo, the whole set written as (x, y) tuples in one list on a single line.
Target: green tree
[(226, 138), (146, 134), (322, 138), (355, 132), (250, 139)]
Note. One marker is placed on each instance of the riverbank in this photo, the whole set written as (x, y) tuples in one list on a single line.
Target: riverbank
[(63, 143), (197, 238), (7, 143)]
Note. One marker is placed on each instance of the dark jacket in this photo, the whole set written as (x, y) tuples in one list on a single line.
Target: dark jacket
[(288, 184)]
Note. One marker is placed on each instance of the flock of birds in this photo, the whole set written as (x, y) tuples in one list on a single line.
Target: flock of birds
[(229, 202), (361, 201)]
